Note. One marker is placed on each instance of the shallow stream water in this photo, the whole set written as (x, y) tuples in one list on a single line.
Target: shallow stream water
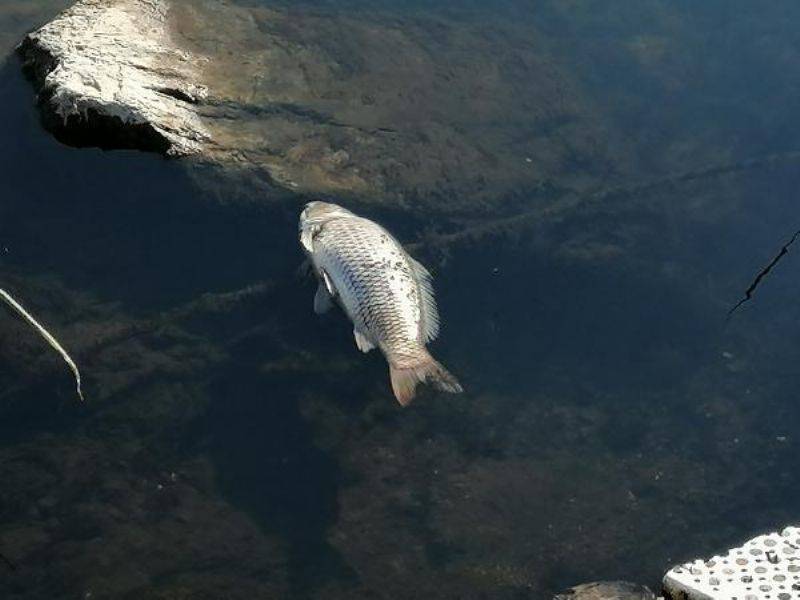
[(235, 445)]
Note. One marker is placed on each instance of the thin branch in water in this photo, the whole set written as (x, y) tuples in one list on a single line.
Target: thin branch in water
[(763, 273), (48, 337)]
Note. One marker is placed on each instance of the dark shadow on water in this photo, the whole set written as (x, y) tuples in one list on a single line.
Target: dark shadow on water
[(270, 466)]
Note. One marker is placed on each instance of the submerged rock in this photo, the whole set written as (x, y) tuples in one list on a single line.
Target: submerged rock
[(378, 106), (443, 108), (607, 590)]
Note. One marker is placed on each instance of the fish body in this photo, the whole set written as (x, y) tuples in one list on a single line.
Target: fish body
[(386, 293)]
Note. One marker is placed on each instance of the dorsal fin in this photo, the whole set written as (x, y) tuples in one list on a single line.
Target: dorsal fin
[(430, 314)]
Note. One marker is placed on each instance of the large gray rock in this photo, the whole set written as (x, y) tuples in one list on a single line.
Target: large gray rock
[(607, 590), (111, 75), (428, 106), (374, 106)]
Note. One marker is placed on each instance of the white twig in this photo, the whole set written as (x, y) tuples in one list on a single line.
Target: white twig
[(46, 335)]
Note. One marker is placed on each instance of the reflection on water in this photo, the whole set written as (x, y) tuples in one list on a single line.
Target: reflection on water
[(235, 445)]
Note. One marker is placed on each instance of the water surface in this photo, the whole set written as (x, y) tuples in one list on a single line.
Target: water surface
[(234, 445)]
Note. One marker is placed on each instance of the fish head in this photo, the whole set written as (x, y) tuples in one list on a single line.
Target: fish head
[(319, 212), (314, 216)]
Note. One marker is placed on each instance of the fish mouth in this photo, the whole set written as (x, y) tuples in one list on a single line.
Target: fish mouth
[(309, 209), (307, 212)]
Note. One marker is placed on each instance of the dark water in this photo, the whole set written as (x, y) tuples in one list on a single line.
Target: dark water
[(236, 446)]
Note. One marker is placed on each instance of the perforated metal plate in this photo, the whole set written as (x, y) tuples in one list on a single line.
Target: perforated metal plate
[(765, 568)]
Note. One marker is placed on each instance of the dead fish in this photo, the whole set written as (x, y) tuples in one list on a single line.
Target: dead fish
[(386, 293)]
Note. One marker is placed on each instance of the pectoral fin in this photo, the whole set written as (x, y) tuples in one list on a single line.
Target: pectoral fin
[(328, 283), (322, 299), (362, 342)]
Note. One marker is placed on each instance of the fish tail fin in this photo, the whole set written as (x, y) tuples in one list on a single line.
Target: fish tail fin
[(406, 379)]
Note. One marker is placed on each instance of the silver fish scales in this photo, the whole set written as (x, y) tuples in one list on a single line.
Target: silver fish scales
[(386, 293)]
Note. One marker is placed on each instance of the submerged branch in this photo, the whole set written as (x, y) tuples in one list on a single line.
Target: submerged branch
[(206, 304), (46, 335), (748, 294), (573, 200)]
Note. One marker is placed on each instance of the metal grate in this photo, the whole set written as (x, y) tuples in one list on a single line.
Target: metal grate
[(765, 568)]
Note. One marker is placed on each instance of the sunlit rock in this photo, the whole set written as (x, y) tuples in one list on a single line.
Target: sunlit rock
[(607, 590), (378, 106), (110, 75)]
